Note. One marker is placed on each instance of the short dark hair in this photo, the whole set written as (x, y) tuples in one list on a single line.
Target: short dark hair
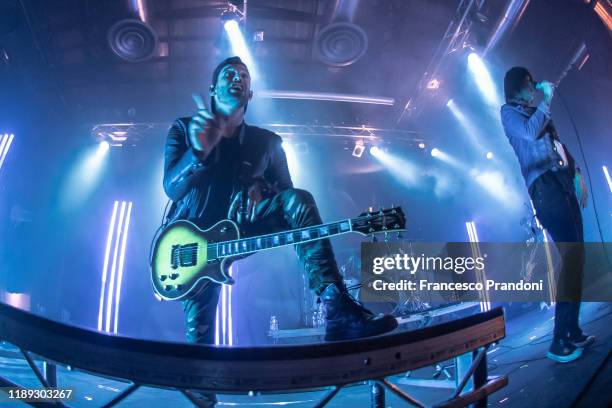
[(235, 60), (514, 80)]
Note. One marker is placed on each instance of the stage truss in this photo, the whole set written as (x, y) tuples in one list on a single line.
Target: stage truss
[(132, 134)]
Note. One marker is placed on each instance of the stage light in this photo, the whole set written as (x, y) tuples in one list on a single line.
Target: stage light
[(290, 153), (116, 241), (489, 155), (327, 96), (239, 46), (493, 183), (433, 84), (103, 147), (293, 163), (421, 145), (469, 128), (485, 304), (484, 81), (435, 152), (109, 240), (605, 170), (471, 229), (5, 144), (124, 236), (224, 326), (83, 178), (358, 149), (403, 170)]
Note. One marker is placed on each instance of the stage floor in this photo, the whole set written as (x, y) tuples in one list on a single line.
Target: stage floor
[(535, 381)]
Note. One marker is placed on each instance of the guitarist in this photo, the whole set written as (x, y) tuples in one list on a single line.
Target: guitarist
[(558, 193), (211, 159)]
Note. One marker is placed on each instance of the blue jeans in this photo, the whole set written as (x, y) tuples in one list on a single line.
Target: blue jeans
[(559, 213)]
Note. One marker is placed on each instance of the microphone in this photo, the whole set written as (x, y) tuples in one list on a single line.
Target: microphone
[(574, 62)]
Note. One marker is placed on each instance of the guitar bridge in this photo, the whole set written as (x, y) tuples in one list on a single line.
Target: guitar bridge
[(184, 255)]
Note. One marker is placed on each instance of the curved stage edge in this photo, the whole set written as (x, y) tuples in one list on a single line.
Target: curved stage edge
[(184, 366)]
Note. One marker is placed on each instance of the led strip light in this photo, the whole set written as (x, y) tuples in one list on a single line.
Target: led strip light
[(5, 144), (473, 235), (110, 290), (224, 330)]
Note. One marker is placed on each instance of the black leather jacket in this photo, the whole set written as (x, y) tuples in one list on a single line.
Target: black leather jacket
[(187, 179)]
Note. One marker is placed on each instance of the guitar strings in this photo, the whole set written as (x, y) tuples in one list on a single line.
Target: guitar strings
[(242, 240)]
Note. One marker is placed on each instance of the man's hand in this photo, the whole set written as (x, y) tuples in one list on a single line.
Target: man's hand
[(581, 190), (204, 134), (548, 89), (256, 193)]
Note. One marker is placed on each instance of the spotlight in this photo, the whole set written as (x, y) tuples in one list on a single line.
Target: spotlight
[(421, 145), (358, 149), (483, 79), (292, 161), (103, 147), (435, 152), (489, 155), (406, 172), (84, 176), (433, 84), (239, 45), (469, 127), (232, 13)]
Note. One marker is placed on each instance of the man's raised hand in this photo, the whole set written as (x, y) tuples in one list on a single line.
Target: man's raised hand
[(204, 134)]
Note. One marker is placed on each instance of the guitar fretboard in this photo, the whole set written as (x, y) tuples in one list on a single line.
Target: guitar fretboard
[(269, 241)]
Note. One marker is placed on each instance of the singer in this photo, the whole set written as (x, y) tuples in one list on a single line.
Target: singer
[(204, 175), (558, 193)]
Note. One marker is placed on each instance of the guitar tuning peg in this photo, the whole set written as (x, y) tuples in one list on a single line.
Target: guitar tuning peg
[(399, 235), (386, 237)]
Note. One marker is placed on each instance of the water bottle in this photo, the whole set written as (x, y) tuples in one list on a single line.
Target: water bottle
[(273, 332)]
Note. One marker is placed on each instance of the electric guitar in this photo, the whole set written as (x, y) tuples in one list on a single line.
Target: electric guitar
[(184, 254)]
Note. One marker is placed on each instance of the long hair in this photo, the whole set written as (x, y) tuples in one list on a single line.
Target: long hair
[(514, 81)]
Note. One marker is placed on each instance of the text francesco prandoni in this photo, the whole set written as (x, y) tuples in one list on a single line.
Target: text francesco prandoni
[(409, 265)]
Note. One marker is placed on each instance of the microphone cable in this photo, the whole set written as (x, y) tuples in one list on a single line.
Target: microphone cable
[(588, 172)]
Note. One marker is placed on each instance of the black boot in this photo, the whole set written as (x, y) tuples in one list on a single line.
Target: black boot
[(345, 318), (563, 351)]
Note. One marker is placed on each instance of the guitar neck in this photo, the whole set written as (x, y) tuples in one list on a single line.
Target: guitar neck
[(280, 239)]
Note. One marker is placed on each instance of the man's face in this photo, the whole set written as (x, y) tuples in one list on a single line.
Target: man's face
[(527, 92), (233, 85)]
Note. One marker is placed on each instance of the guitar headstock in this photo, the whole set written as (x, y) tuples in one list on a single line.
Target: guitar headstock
[(384, 220)]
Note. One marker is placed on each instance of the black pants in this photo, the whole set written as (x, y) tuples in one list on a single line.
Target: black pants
[(558, 211), (292, 208)]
